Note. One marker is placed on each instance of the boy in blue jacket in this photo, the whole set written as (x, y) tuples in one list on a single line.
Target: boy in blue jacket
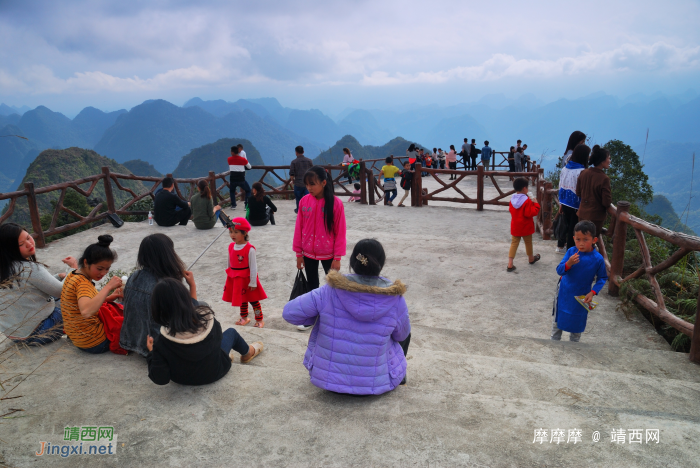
[(580, 267)]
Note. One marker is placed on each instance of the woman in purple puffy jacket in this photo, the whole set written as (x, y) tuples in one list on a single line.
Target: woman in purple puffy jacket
[(362, 330)]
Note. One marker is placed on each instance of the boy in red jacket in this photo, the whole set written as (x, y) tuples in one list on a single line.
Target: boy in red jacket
[(522, 210)]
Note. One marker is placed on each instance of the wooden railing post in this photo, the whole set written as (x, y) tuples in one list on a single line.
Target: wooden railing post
[(363, 183), (108, 190), (546, 208), (34, 215), (480, 188), (618, 255), (695, 340), (212, 187), (370, 187)]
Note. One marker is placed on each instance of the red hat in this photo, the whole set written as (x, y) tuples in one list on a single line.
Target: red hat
[(241, 224)]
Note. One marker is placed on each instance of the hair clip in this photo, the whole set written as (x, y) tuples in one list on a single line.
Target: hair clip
[(362, 259)]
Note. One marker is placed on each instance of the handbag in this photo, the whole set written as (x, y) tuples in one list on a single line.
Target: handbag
[(301, 286)]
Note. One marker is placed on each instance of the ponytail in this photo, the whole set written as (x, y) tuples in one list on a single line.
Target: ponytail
[(204, 191), (316, 175)]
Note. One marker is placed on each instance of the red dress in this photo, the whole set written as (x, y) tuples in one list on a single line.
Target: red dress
[(236, 290)]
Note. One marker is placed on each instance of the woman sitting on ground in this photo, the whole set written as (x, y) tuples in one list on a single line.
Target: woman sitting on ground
[(156, 260), (204, 213), (260, 208), (86, 322), (28, 292), (362, 330)]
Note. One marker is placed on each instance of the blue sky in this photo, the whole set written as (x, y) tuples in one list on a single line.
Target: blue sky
[(336, 54)]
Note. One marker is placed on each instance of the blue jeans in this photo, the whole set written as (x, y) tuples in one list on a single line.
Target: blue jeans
[(232, 190), (48, 331), (299, 192), (99, 349), (390, 195), (232, 340)]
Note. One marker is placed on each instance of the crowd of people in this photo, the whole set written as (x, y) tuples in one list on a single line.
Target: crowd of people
[(160, 317)]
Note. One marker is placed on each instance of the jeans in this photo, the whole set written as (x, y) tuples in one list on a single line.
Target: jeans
[(231, 340), (99, 349), (485, 162), (390, 195), (299, 192), (48, 331), (311, 269), (232, 189)]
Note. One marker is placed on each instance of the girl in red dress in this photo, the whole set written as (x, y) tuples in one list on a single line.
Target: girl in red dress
[(242, 283)]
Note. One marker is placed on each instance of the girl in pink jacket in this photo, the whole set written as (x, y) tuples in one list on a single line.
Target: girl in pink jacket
[(319, 234)]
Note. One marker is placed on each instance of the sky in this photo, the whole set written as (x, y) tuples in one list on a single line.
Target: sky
[(336, 54)]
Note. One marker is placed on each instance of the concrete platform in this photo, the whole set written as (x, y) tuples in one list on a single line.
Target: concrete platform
[(482, 376)]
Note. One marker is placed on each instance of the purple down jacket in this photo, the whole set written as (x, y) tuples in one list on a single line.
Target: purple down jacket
[(354, 347)]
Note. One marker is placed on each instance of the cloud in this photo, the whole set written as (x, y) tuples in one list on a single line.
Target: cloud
[(658, 57)]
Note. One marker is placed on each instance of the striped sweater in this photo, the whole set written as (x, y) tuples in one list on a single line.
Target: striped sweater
[(237, 165)]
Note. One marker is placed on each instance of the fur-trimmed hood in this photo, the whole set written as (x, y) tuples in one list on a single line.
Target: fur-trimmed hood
[(366, 302)]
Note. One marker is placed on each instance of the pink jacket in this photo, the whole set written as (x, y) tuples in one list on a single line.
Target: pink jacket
[(310, 236)]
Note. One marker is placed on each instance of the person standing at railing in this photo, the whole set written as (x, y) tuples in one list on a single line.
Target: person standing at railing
[(466, 150), (568, 200), (576, 138), (473, 153), (237, 166), (440, 155), (31, 313), (486, 155), (519, 158), (412, 155), (452, 161), (347, 161), (593, 188), (297, 170), (511, 159), (406, 180), (165, 204)]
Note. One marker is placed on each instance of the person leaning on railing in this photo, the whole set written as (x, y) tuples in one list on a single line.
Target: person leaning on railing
[(29, 312), (593, 188)]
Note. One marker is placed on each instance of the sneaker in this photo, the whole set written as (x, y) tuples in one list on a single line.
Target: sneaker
[(304, 327), (560, 250)]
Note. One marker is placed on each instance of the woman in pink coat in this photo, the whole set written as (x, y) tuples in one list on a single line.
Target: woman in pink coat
[(319, 234)]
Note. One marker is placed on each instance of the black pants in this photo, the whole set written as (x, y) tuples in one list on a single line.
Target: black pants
[(232, 189), (511, 165), (404, 344), (269, 218), (311, 269), (571, 219), (182, 216)]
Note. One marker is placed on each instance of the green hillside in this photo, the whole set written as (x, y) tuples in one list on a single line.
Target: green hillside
[(142, 168), (56, 166), (661, 206), (213, 157), (334, 155)]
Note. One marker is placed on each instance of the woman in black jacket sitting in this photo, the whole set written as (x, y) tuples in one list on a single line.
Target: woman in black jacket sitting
[(260, 207)]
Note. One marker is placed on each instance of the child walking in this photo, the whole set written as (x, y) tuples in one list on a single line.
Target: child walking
[(389, 172), (406, 179), (580, 267), (362, 331), (191, 349), (522, 210), (242, 282)]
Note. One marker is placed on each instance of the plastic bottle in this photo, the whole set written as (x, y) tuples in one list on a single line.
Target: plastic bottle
[(150, 218)]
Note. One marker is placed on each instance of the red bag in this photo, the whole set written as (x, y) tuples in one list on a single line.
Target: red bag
[(112, 317)]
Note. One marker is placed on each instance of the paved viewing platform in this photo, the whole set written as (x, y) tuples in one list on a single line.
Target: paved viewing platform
[(483, 375)]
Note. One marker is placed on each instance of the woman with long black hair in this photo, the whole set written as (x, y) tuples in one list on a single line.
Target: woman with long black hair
[(28, 292), (156, 260), (568, 200), (319, 234)]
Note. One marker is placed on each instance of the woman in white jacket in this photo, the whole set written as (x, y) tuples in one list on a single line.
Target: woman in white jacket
[(29, 312)]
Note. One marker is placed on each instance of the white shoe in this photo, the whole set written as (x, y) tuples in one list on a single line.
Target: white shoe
[(304, 327), (561, 250)]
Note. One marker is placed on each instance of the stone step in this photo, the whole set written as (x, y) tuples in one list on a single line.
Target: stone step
[(268, 414), (624, 359)]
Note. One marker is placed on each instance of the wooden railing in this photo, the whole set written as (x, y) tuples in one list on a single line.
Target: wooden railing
[(621, 222)]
